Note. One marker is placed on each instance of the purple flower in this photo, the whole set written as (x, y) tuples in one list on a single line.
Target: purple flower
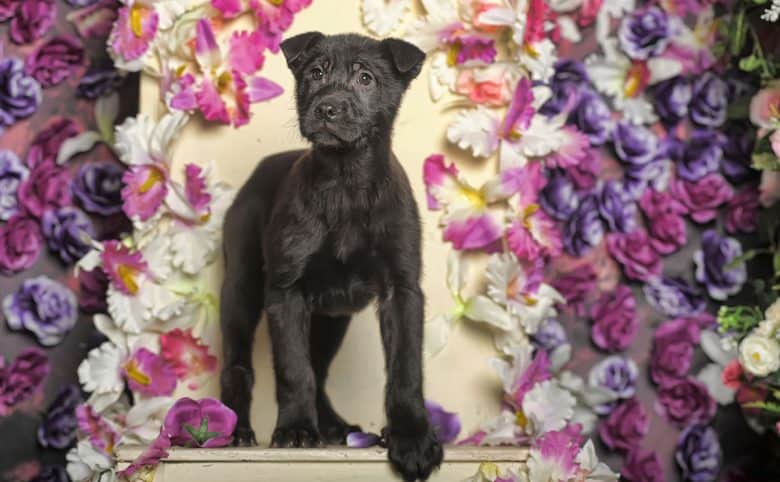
[(617, 375), (615, 319), (742, 211), (673, 297), (576, 287), (92, 291), (716, 253), (42, 306), (645, 33), (550, 335), (99, 81), (625, 427), (52, 473), (634, 145), (585, 174), (655, 174), (67, 231), (56, 60), (703, 197), (149, 374), (45, 188), (32, 20), (98, 187), (642, 466), (673, 345), (702, 156), (566, 84), (635, 254), (20, 94), (559, 198), (81, 3), (361, 440), (671, 98), (739, 138), (686, 400), (8, 8), (152, 456), (20, 244), (592, 117), (445, 424), (12, 173), (46, 144), (205, 423), (710, 101), (698, 453), (584, 229), (616, 207), (58, 428), (665, 223), (22, 379)]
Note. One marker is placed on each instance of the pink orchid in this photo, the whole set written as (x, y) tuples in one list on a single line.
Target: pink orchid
[(188, 358), (274, 17), (521, 111), (148, 374), (765, 108), (133, 32), (122, 266), (101, 434), (560, 448), (146, 187), (488, 86), (533, 234), (537, 371)]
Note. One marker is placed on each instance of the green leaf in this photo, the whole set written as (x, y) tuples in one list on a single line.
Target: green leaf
[(771, 407), (738, 33), (776, 261), (765, 161), (740, 108), (751, 63), (746, 256)]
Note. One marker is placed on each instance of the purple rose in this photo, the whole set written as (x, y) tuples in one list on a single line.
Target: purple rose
[(698, 454), (739, 138), (625, 427), (616, 207), (645, 33), (550, 335), (42, 306), (716, 253), (99, 81), (592, 117), (576, 287), (584, 229), (671, 98), (446, 424), (673, 297), (703, 197), (52, 473), (47, 187), (98, 187), (58, 428), (617, 375), (615, 320), (8, 9), (22, 379), (686, 400), (20, 244), (558, 197), (655, 174), (81, 3), (56, 60), (32, 20), (46, 145), (665, 224), (673, 345), (585, 174), (566, 84), (642, 466), (710, 101), (92, 291), (635, 253), (12, 173), (702, 156), (742, 211), (67, 231), (634, 145), (20, 94)]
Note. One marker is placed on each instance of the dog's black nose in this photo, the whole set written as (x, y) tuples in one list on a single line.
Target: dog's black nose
[(327, 111)]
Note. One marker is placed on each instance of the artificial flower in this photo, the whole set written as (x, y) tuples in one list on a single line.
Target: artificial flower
[(381, 17), (642, 466), (445, 424), (665, 223), (635, 253), (703, 197), (551, 337), (673, 297), (625, 426), (58, 427), (548, 406), (738, 142), (698, 453), (56, 60), (765, 108), (555, 454), (67, 231), (714, 265), (577, 287), (22, 379), (20, 244), (584, 229), (32, 19), (634, 145), (44, 307), (615, 319), (617, 208), (742, 211), (759, 354), (567, 84), (673, 345), (490, 85), (149, 374), (361, 440), (47, 143), (592, 117), (99, 81), (47, 187), (132, 35), (559, 196), (187, 356), (12, 174), (702, 155), (20, 94), (709, 102), (93, 285), (85, 462), (95, 20), (646, 32), (686, 400), (97, 186), (671, 99), (617, 376)]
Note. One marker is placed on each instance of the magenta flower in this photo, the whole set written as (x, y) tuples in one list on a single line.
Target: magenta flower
[(445, 424), (22, 379), (186, 356), (561, 448), (742, 211), (122, 266), (537, 371), (56, 60), (673, 346), (133, 31), (469, 48), (100, 433), (8, 8), (615, 319), (47, 187), (32, 19), (20, 244), (686, 401), (576, 287), (145, 189), (92, 291), (625, 427), (642, 466), (703, 197), (148, 374), (196, 190), (46, 144), (666, 225), (635, 253)]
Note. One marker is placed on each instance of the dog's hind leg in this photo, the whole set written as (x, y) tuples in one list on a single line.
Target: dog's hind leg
[(327, 333)]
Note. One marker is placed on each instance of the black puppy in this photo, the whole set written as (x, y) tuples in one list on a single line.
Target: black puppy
[(314, 236)]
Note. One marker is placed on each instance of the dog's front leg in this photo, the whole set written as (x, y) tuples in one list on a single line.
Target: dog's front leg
[(413, 448)]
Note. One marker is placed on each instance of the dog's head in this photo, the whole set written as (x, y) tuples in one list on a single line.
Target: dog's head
[(349, 87)]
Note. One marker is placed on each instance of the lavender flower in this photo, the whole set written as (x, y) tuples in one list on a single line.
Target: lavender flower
[(584, 229), (673, 297), (592, 117), (361, 440), (645, 33), (559, 198), (616, 375), (702, 155), (67, 231), (656, 174), (98, 187), (58, 428), (42, 306), (634, 145), (710, 101), (20, 94), (81, 3), (99, 81), (12, 173), (550, 335), (446, 424), (716, 253), (698, 453), (617, 208), (566, 84), (672, 97)]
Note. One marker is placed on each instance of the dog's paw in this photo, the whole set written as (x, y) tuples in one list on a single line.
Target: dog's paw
[(244, 437), (296, 436), (335, 433), (414, 457)]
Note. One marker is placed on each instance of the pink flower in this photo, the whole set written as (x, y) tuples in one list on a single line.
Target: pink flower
[(615, 320), (122, 266), (635, 253), (484, 86), (58, 59), (246, 52), (23, 379), (20, 244), (533, 235), (186, 356), (468, 48), (148, 374), (666, 225), (46, 145), (133, 31), (537, 371), (538, 11), (100, 433), (733, 375), (146, 186), (205, 423), (673, 345), (32, 19), (588, 12), (577, 286), (686, 401), (775, 141), (742, 211), (765, 108), (561, 447), (703, 197), (8, 8), (47, 187), (520, 112), (625, 427), (274, 17), (196, 190), (769, 188)]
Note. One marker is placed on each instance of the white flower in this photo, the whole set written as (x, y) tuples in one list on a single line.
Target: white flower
[(442, 77), (759, 354), (144, 419), (85, 463), (383, 16), (501, 430), (711, 376), (548, 407), (590, 464)]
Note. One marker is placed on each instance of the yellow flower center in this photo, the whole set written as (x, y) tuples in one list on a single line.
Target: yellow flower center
[(136, 19), (134, 373), (756, 357), (224, 81), (127, 275), (155, 177), (276, 3), (474, 196), (530, 51), (521, 419), (774, 110), (527, 213), (452, 55)]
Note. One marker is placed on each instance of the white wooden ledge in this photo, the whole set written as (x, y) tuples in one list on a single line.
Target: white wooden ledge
[(313, 465)]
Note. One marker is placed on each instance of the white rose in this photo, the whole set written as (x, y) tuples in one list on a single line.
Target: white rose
[(773, 312), (759, 355)]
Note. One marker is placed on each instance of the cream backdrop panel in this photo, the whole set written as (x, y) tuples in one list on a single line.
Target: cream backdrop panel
[(460, 377)]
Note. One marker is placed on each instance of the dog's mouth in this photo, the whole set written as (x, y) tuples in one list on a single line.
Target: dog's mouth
[(329, 134)]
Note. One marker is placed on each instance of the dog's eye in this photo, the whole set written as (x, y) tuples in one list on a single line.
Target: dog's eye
[(317, 73), (365, 78)]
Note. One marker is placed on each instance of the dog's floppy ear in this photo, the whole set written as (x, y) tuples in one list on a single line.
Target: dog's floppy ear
[(293, 47), (407, 58)]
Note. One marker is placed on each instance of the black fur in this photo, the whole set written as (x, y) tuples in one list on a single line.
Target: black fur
[(315, 236)]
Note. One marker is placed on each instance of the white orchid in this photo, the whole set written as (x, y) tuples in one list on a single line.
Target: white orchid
[(87, 464), (381, 17), (711, 374)]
